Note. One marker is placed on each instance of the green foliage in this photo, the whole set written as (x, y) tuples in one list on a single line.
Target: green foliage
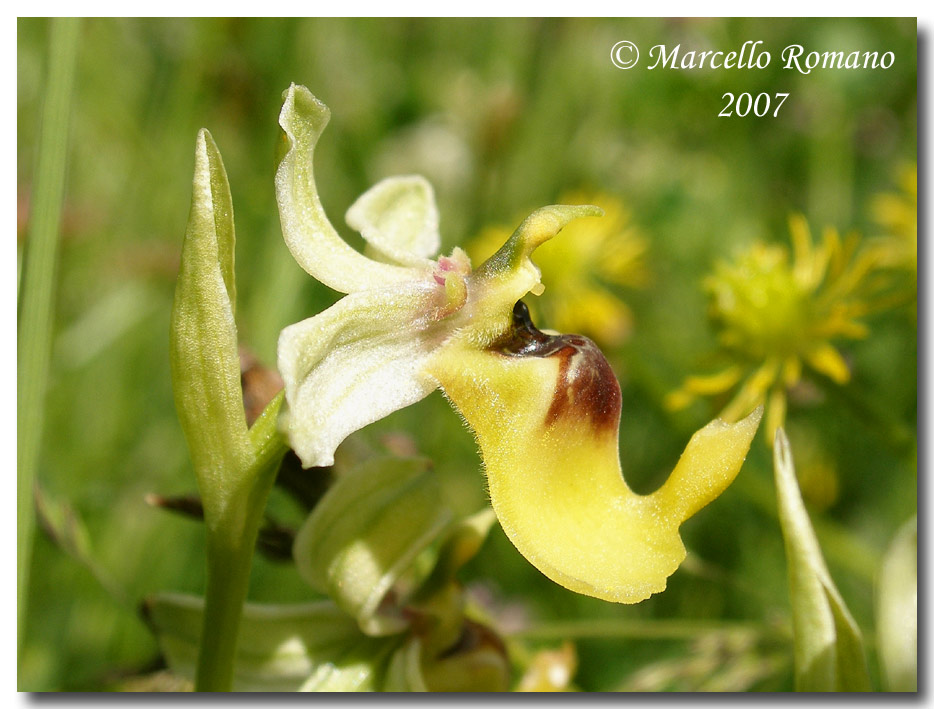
[(235, 467), (281, 648), (366, 531), (36, 295), (829, 654), (397, 621), (204, 358)]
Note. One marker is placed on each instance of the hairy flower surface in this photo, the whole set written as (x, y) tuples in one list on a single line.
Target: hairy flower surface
[(776, 314), (545, 408), (581, 268)]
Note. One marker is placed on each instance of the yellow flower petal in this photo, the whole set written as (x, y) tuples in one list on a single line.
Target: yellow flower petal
[(714, 383), (753, 391), (800, 236), (678, 399), (791, 374), (827, 360), (775, 414)]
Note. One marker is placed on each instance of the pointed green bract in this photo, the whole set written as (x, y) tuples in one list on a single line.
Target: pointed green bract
[(828, 646), (203, 346), (235, 466)]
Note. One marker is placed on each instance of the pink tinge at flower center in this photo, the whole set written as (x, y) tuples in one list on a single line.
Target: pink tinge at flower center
[(451, 272), (451, 264)]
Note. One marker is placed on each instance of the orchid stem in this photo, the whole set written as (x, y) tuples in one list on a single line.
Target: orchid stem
[(230, 546)]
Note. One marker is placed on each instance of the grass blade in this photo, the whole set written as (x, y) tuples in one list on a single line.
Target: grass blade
[(37, 287)]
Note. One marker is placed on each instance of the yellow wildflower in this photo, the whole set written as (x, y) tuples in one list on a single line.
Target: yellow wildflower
[(592, 255), (777, 315)]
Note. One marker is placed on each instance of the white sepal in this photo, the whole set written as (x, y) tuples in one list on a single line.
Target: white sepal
[(308, 233), (356, 362)]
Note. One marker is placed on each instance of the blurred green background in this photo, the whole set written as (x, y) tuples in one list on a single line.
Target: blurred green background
[(502, 116)]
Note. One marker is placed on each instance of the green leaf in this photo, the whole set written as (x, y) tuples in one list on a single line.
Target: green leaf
[(897, 611), (366, 532), (204, 356), (67, 530), (281, 648), (828, 646), (362, 669), (405, 669), (460, 546)]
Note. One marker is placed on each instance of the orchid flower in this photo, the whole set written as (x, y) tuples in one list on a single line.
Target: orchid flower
[(545, 408)]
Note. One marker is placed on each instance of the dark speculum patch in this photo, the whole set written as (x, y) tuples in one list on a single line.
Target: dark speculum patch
[(586, 383)]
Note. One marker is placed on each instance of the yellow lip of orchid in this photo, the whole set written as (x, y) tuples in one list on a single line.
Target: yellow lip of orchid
[(545, 408)]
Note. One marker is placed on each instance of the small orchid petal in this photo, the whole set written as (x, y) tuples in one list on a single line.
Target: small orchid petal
[(308, 233), (356, 362), (398, 218)]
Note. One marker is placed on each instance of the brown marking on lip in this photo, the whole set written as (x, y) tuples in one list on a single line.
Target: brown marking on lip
[(586, 383)]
